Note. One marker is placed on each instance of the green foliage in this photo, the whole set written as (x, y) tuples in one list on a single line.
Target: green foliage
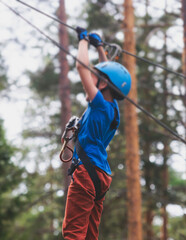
[(176, 179), (45, 81), (37, 212), (40, 218), (115, 210), (3, 77), (10, 178), (99, 16), (177, 227), (155, 95)]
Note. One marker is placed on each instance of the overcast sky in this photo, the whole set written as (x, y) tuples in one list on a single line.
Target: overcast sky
[(18, 60)]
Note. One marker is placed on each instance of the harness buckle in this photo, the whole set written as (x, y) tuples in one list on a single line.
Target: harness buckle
[(73, 166)]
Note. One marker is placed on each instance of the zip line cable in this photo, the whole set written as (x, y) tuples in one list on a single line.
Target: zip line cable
[(155, 64), (96, 74), (106, 43), (47, 15)]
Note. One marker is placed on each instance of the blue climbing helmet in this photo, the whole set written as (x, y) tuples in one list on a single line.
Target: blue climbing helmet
[(118, 76)]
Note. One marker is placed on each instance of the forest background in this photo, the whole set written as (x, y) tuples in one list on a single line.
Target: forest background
[(32, 183)]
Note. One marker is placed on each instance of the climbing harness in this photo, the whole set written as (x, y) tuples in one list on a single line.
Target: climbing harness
[(90, 169), (72, 126), (113, 51), (102, 78), (83, 157)]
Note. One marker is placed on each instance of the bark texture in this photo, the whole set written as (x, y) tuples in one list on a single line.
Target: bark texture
[(131, 132), (64, 83)]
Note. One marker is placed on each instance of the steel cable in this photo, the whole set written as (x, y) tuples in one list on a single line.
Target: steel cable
[(96, 74), (106, 43)]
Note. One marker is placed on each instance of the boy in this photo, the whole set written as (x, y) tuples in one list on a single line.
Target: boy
[(91, 178)]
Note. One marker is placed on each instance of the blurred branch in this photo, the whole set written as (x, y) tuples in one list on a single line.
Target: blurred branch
[(32, 134), (41, 198)]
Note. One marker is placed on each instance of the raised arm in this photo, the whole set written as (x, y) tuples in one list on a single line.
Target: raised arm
[(87, 78), (96, 41), (102, 55)]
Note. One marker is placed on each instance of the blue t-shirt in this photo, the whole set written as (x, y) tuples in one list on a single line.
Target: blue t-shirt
[(95, 132)]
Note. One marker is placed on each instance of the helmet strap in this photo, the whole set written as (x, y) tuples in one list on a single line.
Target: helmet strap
[(102, 90), (97, 85), (98, 82)]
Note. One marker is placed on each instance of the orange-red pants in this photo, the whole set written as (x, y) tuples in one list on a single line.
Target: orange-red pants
[(83, 214)]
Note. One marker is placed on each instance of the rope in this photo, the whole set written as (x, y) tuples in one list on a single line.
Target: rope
[(96, 74), (47, 15), (106, 43)]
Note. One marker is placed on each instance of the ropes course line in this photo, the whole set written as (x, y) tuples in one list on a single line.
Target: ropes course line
[(106, 43), (47, 15), (96, 74)]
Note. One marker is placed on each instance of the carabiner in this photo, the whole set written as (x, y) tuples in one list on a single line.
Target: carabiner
[(113, 51), (71, 126), (64, 146)]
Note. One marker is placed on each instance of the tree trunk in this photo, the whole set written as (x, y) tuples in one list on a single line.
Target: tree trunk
[(131, 132), (184, 51), (64, 83), (184, 23), (149, 214), (165, 143)]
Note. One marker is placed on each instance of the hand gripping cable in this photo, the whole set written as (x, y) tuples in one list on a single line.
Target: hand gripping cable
[(71, 126), (74, 28), (62, 48)]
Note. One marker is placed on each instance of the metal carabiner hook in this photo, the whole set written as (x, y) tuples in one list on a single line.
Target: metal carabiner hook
[(71, 126), (113, 51), (64, 146)]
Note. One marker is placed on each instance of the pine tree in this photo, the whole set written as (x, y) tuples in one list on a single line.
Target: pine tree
[(10, 179), (43, 203), (64, 85), (184, 53), (131, 133)]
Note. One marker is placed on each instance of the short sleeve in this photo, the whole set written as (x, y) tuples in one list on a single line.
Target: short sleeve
[(98, 101)]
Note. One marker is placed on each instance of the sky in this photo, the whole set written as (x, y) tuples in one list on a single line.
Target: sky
[(18, 60)]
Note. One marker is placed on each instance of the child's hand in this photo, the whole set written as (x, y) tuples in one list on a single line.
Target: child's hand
[(82, 33), (95, 40)]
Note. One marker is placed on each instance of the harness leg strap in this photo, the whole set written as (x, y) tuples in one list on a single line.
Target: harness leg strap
[(90, 169)]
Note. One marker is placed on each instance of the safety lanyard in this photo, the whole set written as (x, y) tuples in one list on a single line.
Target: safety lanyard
[(71, 128)]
